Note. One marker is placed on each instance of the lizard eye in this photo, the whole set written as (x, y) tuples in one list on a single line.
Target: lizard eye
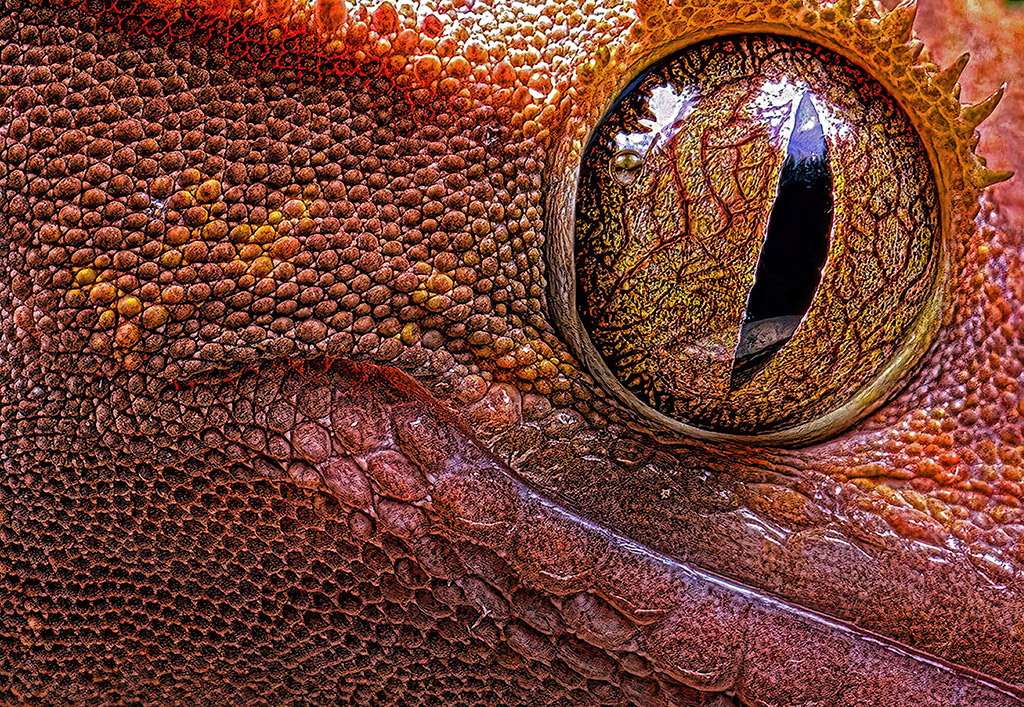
[(758, 239)]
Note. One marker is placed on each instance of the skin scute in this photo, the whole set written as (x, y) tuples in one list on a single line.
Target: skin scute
[(285, 417)]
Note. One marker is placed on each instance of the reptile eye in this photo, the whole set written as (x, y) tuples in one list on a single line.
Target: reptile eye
[(758, 239)]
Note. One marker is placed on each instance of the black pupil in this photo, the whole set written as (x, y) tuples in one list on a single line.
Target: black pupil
[(794, 251)]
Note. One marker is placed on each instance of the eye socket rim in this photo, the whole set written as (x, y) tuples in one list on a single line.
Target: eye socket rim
[(883, 387)]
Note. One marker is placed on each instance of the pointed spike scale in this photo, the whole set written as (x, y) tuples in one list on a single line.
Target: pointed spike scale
[(899, 23), (985, 177), (844, 8), (947, 78), (866, 10), (974, 115)]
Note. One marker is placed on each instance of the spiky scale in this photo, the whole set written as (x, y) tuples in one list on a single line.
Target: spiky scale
[(946, 79), (866, 10), (985, 177), (899, 23), (974, 115)]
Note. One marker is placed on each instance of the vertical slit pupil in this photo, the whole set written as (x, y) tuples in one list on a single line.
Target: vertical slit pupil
[(794, 252)]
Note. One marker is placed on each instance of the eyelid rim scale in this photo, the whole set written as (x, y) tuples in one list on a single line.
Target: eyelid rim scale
[(884, 46)]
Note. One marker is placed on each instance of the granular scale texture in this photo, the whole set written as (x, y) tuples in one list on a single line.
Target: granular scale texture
[(200, 504)]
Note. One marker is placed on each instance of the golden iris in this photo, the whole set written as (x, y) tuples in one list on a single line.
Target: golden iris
[(757, 232)]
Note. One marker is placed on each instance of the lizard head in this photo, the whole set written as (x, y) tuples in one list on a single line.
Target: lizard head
[(332, 365)]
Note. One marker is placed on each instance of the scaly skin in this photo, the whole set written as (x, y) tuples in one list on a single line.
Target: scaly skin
[(347, 458)]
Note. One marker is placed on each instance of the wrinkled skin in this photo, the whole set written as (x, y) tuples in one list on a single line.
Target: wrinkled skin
[(372, 488)]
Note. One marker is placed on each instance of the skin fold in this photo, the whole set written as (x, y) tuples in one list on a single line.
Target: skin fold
[(286, 416)]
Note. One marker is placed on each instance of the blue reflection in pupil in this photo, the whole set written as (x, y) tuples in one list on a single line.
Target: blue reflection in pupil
[(794, 252)]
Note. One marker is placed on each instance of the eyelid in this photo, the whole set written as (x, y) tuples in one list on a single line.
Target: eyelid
[(881, 45)]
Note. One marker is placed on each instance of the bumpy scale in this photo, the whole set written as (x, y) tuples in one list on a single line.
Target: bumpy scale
[(285, 418)]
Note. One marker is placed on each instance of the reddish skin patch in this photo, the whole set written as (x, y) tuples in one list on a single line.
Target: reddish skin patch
[(334, 532)]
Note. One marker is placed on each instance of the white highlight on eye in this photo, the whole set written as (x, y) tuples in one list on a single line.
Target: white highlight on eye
[(774, 101), (669, 108), (779, 99)]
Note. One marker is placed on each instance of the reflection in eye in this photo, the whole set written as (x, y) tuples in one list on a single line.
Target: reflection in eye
[(793, 254), (757, 232)]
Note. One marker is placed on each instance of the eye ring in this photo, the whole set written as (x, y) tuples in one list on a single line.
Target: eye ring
[(944, 126)]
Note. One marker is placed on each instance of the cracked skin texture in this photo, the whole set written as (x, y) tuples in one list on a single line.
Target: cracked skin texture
[(285, 419)]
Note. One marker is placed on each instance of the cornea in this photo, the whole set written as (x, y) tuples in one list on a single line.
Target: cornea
[(883, 44)]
